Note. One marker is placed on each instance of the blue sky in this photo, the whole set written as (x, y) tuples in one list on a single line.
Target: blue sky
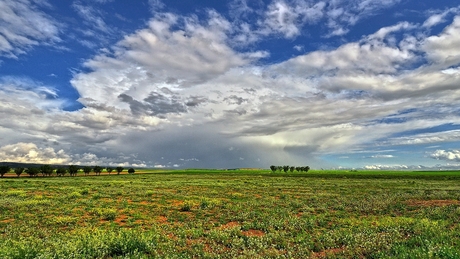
[(225, 84)]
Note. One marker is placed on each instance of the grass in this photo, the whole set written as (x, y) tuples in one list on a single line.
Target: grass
[(232, 214)]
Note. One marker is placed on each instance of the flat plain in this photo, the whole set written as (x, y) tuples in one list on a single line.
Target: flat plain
[(232, 214)]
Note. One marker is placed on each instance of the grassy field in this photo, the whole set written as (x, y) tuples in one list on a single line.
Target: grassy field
[(232, 214)]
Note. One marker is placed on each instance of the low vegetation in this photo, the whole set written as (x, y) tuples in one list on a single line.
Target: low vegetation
[(237, 214)]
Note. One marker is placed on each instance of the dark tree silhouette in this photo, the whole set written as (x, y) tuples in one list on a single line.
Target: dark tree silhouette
[(73, 170), (46, 170), (97, 170), (285, 168), (61, 171), (119, 169), (131, 170), (19, 170), (33, 171), (4, 169), (87, 170)]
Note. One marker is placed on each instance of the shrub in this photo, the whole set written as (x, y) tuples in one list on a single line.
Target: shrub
[(131, 170), (75, 195), (105, 213), (186, 206)]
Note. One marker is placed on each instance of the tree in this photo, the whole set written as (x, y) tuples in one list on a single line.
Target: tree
[(285, 168), (4, 169), (131, 171), (109, 169), (280, 168), (18, 171), (46, 170), (33, 171), (298, 168), (307, 168), (119, 169), (61, 171), (87, 170), (97, 170), (291, 169), (273, 168), (73, 170)]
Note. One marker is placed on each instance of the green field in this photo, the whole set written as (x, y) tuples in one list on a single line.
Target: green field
[(232, 214)]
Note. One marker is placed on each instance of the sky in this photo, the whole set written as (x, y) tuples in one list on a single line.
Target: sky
[(368, 84)]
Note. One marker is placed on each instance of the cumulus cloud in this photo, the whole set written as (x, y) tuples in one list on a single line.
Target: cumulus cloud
[(150, 67), (438, 167), (390, 167), (24, 25), (447, 155), (30, 153), (327, 98), (178, 87), (442, 49)]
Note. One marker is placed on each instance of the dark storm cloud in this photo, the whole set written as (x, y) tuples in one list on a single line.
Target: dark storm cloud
[(194, 101), (155, 104), (233, 99)]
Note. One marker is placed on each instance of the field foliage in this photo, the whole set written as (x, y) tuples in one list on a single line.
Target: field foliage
[(232, 214)]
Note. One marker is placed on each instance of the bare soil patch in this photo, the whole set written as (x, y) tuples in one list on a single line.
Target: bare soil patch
[(327, 253), (231, 224), (121, 220), (162, 219), (253, 233)]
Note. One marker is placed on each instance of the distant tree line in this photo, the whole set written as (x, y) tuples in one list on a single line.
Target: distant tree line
[(48, 170), (287, 168)]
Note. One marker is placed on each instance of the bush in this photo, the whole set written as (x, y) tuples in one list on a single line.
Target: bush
[(105, 213), (131, 171)]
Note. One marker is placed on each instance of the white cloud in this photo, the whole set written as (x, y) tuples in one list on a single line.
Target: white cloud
[(151, 68), (427, 138), (281, 18), (156, 5), (382, 156), (448, 155), (443, 49), (437, 17), (390, 167), (24, 25), (30, 153), (330, 101), (178, 84), (91, 16)]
